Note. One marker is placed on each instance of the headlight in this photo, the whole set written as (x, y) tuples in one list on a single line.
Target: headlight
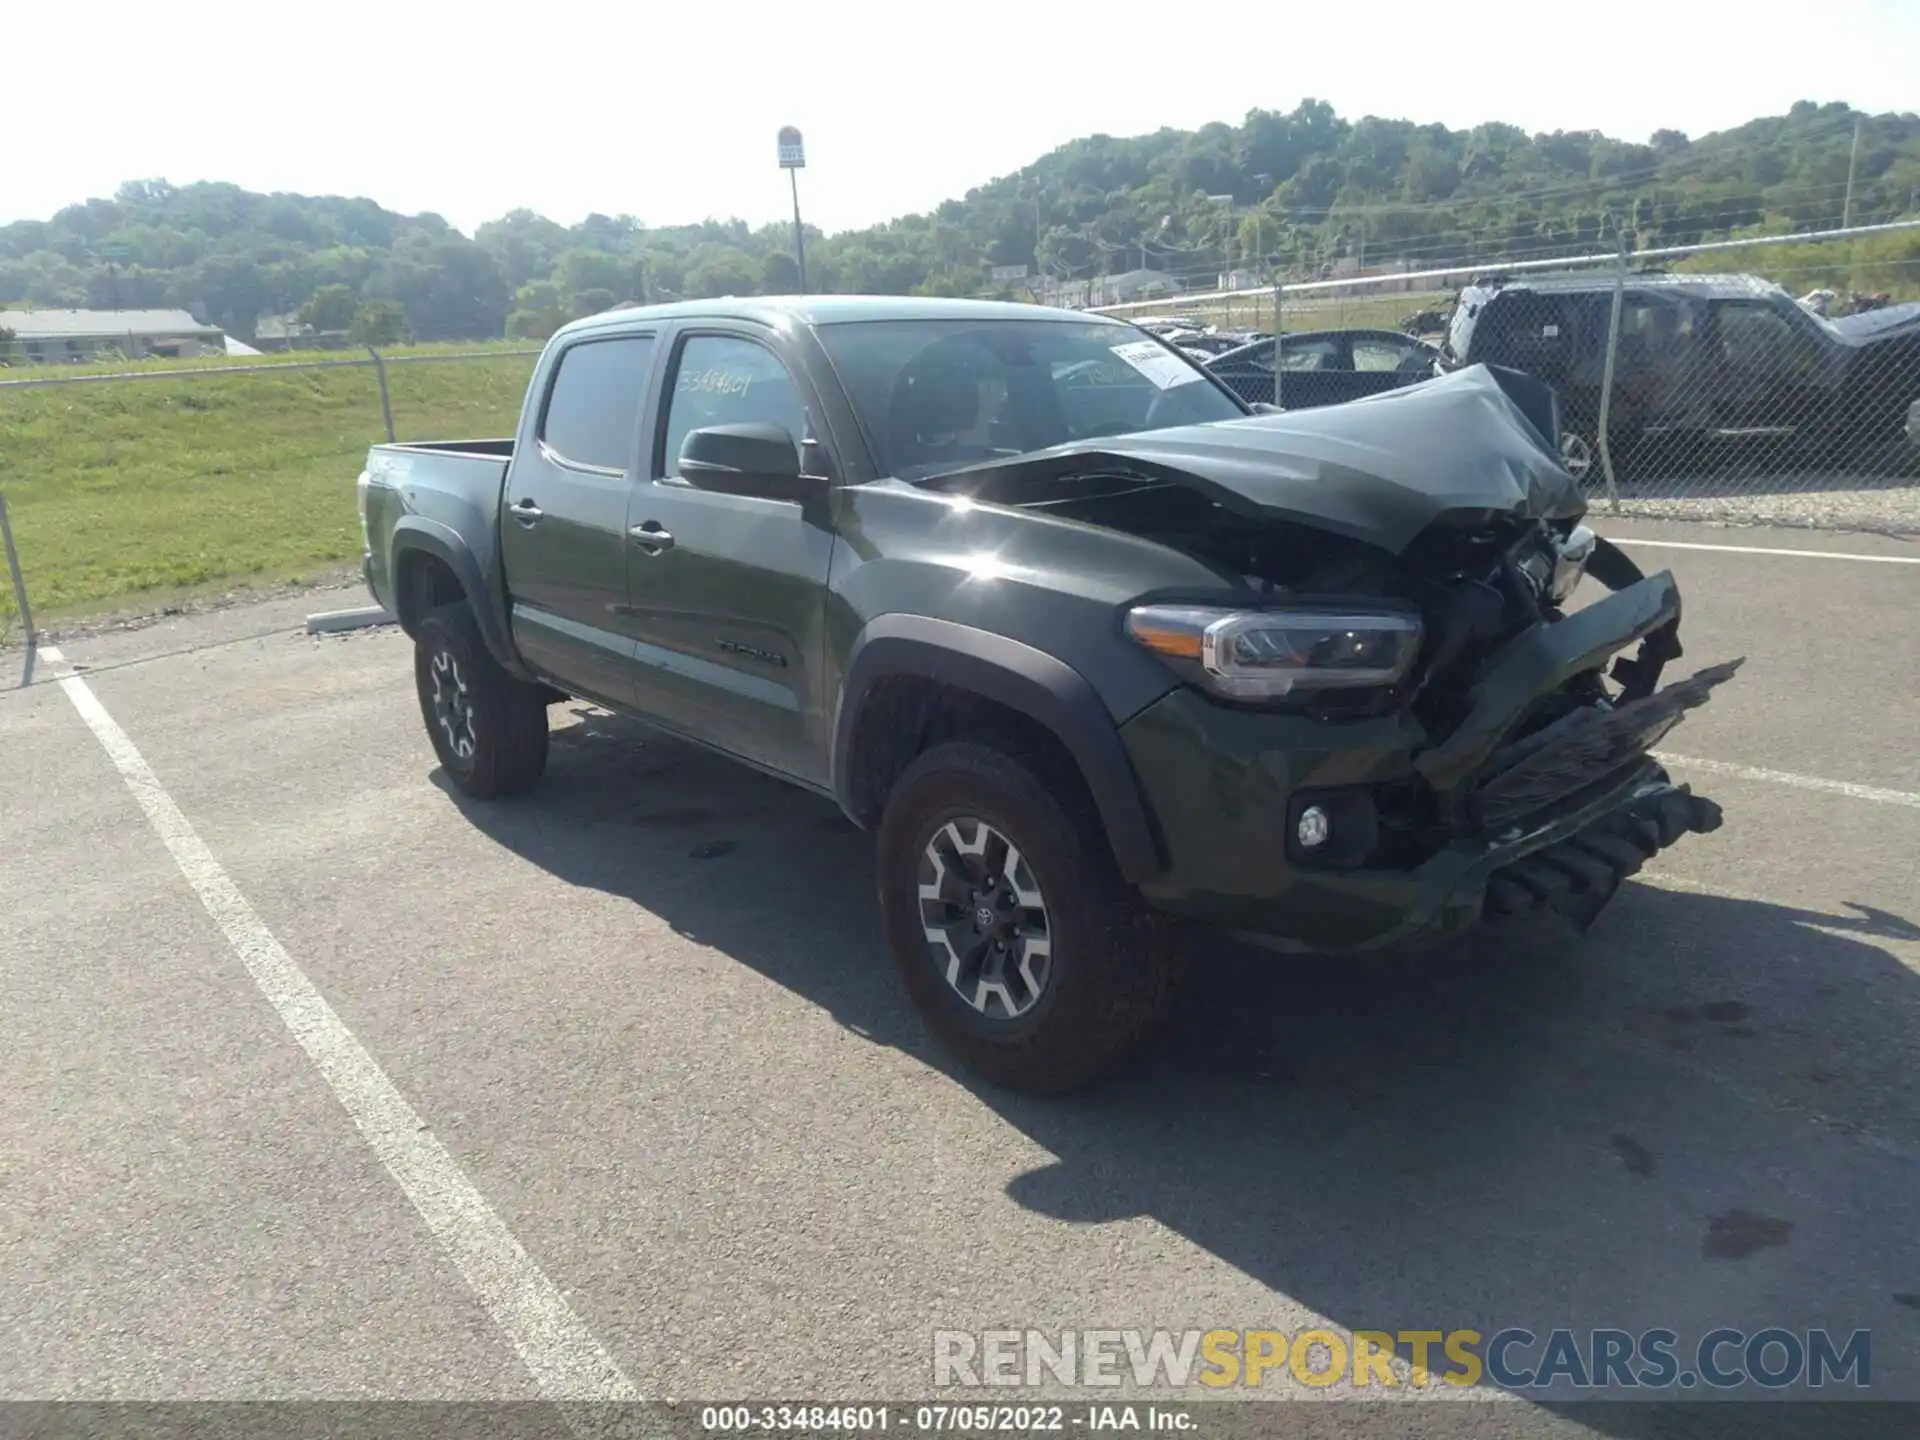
[(1264, 654)]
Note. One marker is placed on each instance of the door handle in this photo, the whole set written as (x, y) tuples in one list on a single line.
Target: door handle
[(650, 537), (526, 512)]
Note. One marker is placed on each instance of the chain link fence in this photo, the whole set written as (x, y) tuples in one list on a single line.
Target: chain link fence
[(1765, 380), (129, 486), (1771, 380)]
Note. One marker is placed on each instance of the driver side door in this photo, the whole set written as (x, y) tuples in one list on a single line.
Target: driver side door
[(727, 593)]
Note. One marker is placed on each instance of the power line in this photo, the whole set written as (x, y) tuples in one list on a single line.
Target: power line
[(1461, 240)]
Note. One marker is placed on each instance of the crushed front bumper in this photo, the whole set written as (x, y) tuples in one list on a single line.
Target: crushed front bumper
[(1579, 873), (1556, 818)]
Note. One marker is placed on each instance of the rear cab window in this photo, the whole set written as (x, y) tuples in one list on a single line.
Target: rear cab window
[(591, 419), (1310, 355), (1380, 352), (1758, 338)]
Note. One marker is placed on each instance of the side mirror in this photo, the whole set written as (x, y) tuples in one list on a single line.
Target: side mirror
[(1262, 407), (753, 459)]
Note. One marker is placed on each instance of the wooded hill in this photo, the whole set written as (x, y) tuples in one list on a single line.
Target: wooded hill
[(1306, 188)]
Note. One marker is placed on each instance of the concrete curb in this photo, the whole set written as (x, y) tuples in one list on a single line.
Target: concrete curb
[(361, 617)]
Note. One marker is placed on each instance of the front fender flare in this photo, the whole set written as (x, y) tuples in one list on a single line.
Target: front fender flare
[(1030, 681)]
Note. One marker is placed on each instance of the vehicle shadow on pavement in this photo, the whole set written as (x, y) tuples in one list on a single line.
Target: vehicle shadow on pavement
[(1700, 1115)]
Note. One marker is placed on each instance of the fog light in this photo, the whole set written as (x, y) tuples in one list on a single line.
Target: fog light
[(1314, 828)]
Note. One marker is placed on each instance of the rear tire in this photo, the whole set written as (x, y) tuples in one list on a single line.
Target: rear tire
[(1074, 970), (488, 728)]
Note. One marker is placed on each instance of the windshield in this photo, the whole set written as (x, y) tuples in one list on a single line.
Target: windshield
[(934, 395)]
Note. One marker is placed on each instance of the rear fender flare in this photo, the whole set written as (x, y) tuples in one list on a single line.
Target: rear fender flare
[(1029, 681), (415, 533)]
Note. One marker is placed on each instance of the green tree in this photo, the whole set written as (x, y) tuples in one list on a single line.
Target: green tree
[(380, 322), (523, 243), (592, 302), (449, 287), (539, 309), (579, 271), (331, 307), (779, 274)]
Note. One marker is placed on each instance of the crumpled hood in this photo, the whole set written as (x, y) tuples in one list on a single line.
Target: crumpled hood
[(1379, 470)]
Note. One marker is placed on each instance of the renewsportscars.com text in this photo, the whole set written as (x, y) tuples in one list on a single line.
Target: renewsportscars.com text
[(1513, 1359)]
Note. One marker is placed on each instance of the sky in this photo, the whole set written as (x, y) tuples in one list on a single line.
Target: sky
[(668, 111)]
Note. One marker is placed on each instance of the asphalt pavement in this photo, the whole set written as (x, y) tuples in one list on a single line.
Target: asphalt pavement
[(645, 1015)]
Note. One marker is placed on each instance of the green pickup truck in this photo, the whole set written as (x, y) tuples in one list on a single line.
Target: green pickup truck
[(1096, 647)]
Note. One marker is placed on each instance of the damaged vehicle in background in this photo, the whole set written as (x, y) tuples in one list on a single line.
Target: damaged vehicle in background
[(1094, 649), (1707, 366)]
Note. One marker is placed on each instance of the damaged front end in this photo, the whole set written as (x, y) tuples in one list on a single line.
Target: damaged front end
[(1549, 773), (1397, 719), (1510, 769)]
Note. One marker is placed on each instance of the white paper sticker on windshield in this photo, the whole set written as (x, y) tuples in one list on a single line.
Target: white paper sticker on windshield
[(1153, 361)]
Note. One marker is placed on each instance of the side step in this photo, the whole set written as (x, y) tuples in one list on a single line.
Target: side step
[(1578, 875)]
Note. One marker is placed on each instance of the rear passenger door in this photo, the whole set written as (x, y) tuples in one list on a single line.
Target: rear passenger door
[(729, 591), (563, 517)]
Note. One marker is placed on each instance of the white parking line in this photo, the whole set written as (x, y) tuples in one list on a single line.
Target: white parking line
[(1786, 777), (567, 1362), (1764, 550)]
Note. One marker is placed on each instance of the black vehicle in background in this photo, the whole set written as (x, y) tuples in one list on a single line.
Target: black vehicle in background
[(1326, 367), (1704, 363)]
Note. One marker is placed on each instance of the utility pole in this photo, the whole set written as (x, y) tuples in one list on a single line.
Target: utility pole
[(793, 159), (1846, 209), (1227, 200), (799, 234)]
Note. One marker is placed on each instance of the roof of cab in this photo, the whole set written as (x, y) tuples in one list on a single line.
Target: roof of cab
[(830, 310), (1705, 286)]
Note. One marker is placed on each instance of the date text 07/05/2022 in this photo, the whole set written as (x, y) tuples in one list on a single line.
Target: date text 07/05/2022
[(942, 1419)]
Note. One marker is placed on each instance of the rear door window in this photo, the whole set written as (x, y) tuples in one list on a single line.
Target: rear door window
[(592, 415)]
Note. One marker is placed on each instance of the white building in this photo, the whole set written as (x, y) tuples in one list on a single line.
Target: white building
[(55, 336)]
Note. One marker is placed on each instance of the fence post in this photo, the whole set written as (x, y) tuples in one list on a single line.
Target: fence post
[(1279, 290), (386, 402), (19, 580), (1606, 378)]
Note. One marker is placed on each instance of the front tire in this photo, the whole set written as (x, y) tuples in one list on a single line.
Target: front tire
[(1023, 948), (488, 728)]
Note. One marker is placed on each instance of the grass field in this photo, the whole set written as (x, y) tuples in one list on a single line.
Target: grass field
[(121, 490)]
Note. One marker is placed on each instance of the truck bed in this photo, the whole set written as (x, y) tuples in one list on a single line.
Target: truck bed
[(489, 449), (472, 470), (450, 486)]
